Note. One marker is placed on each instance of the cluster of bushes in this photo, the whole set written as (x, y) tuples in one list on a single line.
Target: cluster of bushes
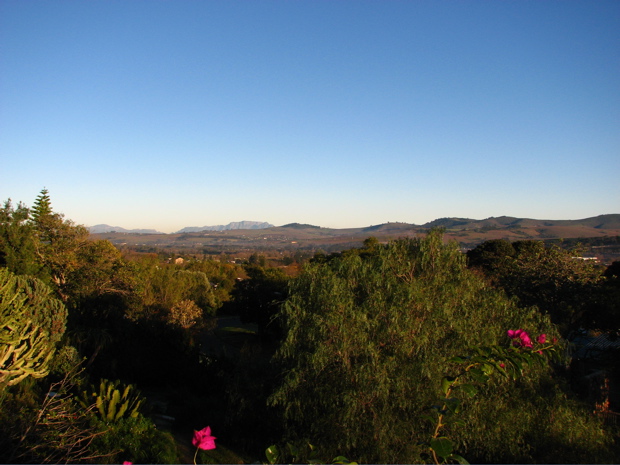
[(347, 357)]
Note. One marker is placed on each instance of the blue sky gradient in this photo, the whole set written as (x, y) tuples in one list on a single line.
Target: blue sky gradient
[(166, 114)]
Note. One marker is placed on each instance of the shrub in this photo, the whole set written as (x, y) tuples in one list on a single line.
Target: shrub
[(134, 439)]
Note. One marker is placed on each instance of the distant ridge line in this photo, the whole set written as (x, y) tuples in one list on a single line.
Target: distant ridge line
[(605, 221)]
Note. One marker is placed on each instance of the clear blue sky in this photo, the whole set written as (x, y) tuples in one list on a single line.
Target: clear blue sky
[(166, 114)]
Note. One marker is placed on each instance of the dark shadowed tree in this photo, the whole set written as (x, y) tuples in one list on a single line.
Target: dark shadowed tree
[(257, 299), (550, 278)]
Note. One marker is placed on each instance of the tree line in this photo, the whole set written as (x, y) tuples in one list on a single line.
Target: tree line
[(344, 358)]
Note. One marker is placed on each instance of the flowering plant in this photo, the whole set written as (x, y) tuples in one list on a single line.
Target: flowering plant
[(203, 440), (478, 368), (521, 339)]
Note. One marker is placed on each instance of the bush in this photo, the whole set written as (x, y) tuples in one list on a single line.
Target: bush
[(135, 440)]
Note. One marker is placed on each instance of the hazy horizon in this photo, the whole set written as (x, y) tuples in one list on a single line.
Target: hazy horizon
[(164, 115)]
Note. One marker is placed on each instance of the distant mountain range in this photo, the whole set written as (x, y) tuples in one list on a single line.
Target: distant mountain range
[(106, 228), (597, 222), (601, 222), (227, 227), (246, 235)]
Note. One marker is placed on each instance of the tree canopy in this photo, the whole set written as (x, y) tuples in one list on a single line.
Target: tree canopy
[(555, 280), (367, 339)]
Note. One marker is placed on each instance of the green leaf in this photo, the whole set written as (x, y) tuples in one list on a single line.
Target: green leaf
[(454, 405), (442, 446), (487, 368), (469, 389), (446, 383), (478, 375), (527, 358), (342, 460), (430, 418), (459, 459), (293, 449), (516, 364), (272, 453)]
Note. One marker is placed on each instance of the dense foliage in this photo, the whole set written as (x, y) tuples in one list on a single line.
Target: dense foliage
[(571, 290), (368, 337), (342, 356)]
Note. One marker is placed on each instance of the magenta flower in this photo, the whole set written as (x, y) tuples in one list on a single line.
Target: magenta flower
[(203, 439), (541, 339), (516, 333), (520, 338)]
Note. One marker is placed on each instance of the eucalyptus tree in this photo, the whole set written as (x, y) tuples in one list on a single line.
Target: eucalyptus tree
[(367, 337)]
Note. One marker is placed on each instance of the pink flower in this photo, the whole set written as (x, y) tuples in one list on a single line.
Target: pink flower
[(127, 463), (203, 439), (523, 338), (541, 339)]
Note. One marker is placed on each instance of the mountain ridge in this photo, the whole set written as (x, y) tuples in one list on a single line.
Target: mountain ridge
[(228, 227), (468, 233), (600, 222), (106, 228)]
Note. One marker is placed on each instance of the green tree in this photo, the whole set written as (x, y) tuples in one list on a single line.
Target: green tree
[(42, 207), (367, 338), (161, 287), (57, 242), (492, 256), (99, 271), (548, 277), (101, 290), (17, 247)]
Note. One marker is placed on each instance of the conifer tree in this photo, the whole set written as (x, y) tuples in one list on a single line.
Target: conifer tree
[(57, 242), (42, 207)]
